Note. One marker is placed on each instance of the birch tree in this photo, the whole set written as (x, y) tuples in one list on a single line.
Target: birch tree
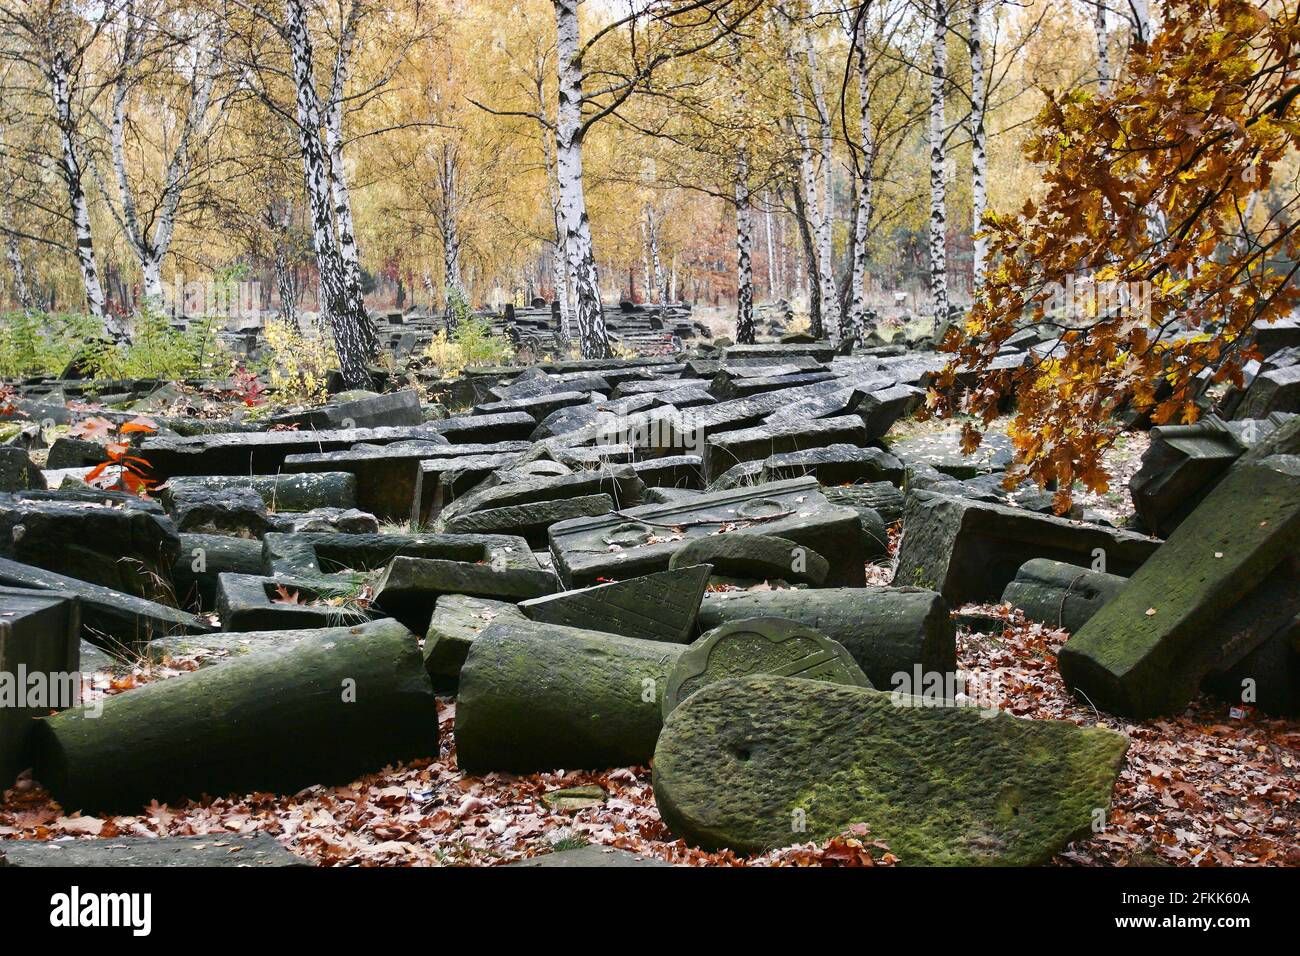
[(334, 114), (148, 47), (979, 143), (52, 41), (938, 162)]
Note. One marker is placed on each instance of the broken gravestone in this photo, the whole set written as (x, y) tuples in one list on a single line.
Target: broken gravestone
[(757, 557), (656, 607), (764, 645), (1199, 604), (758, 762)]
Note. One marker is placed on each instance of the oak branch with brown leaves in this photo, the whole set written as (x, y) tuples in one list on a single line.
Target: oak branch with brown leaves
[(1140, 252)]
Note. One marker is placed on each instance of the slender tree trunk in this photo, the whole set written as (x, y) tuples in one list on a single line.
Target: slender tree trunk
[(656, 259), (453, 284), (831, 314), (979, 146), (593, 338), (938, 163), (349, 253), (771, 252), (22, 292), (70, 170), (1140, 15), (865, 205), (353, 334), (744, 257), (1099, 27), (815, 326)]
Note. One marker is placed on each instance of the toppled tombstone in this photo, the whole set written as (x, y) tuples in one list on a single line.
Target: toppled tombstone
[(888, 631), (1059, 594), (1222, 585), (359, 410), (724, 449), (543, 697), (1185, 462), (762, 645), (943, 452), (204, 558), (209, 650), (218, 849), (835, 465), (273, 722), (457, 622), (235, 512), (642, 540), (40, 646), (656, 607), (106, 615), (130, 548), (249, 602), (759, 557), (410, 586), (742, 761), (883, 498), (969, 551), (530, 521), (280, 493)]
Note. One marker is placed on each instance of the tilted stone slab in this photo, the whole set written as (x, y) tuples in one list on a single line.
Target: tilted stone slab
[(760, 557), (620, 482), (642, 540), (486, 429), (440, 481), (410, 587), (1146, 652), (105, 613), (254, 602), (657, 607), (889, 631), (530, 521), (543, 697), (969, 551), (391, 410), (761, 761), (274, 722), (754, 444), (835, 465), (457, 622), (762, 645)]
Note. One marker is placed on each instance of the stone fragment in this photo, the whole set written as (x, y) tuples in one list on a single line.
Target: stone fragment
[(762, 761), (1059, 594), (214, 850), (761, 645), (759, 557), (656, 607), (457, 621)]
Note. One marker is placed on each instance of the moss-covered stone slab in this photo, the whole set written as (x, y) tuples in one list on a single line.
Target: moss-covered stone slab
[(539, 696), (759, 557), (656, 607), (761, 761), (1059, 594), (457, 622), (765, 645), (587, 857), (889, 631), (1146, 652)]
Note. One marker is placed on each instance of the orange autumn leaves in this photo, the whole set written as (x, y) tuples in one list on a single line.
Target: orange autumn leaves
[(122, 471), (1149, 253)]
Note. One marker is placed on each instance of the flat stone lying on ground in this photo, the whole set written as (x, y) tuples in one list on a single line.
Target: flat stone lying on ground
[(642, 540), (758, 762), (657, 607), (280, 493), (212, 850), (591, 855), (761, 557), (1199, 604), (273, 722), (409, 587), (539, 696), (457, 622)]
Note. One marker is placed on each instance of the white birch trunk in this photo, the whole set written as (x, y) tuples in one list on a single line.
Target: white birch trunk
[(22, 291), (744, 257), (824, 213), (351, 328), (866, 208), (938, 164), (1104, 76), (979, 145), (656, 259), (70, 170), (592, 336), (349, 253)]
